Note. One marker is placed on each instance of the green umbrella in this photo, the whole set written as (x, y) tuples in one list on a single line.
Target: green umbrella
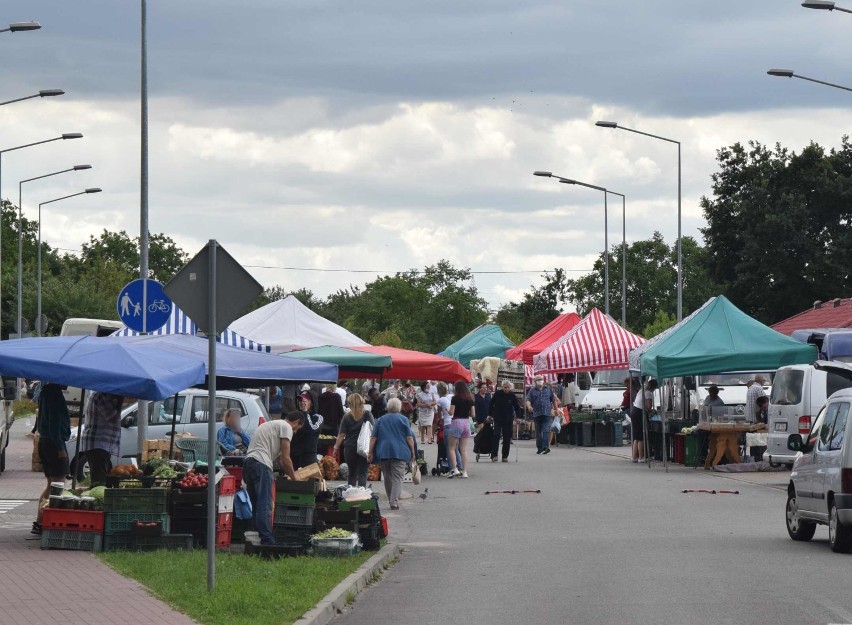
[(348, 359)]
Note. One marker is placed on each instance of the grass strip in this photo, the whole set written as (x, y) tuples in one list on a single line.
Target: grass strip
[(249, 590)]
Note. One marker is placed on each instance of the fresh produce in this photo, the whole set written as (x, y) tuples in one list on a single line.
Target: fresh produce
[(125, 470), (97, 492), (373, 473), (330, 468), (193, 480), (334, 532)]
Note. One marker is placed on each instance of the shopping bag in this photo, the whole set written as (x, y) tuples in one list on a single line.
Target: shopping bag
[(364, 439)]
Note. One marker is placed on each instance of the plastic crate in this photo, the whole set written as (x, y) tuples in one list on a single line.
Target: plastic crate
[(300, 516), (225, 503), (227, 485), (295, 499), (151, 529), (336, 551), (118, 542), (71, 540), (364, 504), (153, 500), (587, 430), (286, 535), (224, 520), (335, 543), (75, 520), (223, 538), (274, 552), (237, 472), (283, 485), (603, 433), (170, 542), (690, 450), (122, 522), (617, 434)]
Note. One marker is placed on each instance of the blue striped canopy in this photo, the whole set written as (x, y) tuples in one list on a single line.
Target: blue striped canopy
[(180, 323)]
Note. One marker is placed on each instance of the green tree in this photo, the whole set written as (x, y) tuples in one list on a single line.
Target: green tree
[(662, 321), (778, 227), (165, 258), (537, 308)]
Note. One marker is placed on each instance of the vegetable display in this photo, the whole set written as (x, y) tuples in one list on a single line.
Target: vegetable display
[(330, 468), (334, 532), (193, 480)]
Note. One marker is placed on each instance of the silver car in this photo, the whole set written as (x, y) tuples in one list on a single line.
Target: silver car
[(192, 417), (820, 488)]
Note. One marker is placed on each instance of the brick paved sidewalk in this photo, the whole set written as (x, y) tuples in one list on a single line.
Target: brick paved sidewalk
[(61, 587)]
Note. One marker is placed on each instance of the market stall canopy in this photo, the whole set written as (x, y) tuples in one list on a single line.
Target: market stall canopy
[(287, 324), (412, 365), (348, 359), (720, 337), (542, 339), (149, 367), (596, 343), (486, 340), (635, 355), (179, 323)]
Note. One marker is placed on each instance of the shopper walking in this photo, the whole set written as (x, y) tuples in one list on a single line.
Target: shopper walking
[(541, 402), (461, 409), (330, 406), (54, 430), (425, 404), (481, 401), (350, 429), (503, 409), (393, 447)]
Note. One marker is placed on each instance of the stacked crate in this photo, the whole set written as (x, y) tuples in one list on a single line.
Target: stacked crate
[(189, 512), (368, 520), (78, 530), (295, 504), (123, 507)]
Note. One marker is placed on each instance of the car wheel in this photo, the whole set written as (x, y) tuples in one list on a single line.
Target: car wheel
[(796, 527), (839, 535)]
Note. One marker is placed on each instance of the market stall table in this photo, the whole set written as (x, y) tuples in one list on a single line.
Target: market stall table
[(724, 440)]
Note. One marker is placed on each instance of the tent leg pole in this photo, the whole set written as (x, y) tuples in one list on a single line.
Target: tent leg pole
[(174, 422), (77, 450)]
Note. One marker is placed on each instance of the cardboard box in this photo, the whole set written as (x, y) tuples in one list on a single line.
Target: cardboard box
[(308, 472)]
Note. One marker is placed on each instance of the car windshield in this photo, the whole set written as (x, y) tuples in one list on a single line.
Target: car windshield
[(611, 377), (734, 379)]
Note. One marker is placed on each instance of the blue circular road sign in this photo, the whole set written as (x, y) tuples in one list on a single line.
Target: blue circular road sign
[(143, 306)]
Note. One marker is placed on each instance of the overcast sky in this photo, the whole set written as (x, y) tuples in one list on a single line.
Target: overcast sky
[(386, 135)]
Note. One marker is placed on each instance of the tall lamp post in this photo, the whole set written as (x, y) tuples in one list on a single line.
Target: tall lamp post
[(69, 135), (606, 241), (44, 93), (38, 278), (20, 205), (788, 73), (16, 27), (605, 124)]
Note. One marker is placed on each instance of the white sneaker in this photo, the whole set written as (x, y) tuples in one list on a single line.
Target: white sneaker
[(464, 475), (454, 473)]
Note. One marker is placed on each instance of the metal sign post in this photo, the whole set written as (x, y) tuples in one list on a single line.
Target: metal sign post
[(211, 418)]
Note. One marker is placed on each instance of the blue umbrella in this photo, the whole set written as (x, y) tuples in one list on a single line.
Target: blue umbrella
[(148, 367)]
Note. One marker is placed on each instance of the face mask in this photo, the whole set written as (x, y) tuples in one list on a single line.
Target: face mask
[(539, 383)]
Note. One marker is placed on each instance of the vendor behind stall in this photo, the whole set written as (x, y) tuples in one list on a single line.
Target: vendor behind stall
[(232, 439), (271, 442), (303, 451)]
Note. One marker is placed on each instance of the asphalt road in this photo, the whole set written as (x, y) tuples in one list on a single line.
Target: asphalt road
[(606, 542)]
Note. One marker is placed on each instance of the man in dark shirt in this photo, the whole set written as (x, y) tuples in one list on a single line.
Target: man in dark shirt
[(377, 403)]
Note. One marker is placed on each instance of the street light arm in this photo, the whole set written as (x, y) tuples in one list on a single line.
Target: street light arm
[(581, 184), (29, 145), (822, 82), (56, 173), (15, 27), (29, 97), (825, 5), (648, 134), (64, 197)]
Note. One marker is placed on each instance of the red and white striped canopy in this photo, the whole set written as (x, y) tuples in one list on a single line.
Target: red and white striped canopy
[(596, 343)]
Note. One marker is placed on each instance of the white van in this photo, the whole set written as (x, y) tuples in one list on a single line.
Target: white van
[(80, 326), (607, 390), (820, 488), (733, 388), (798, 393)]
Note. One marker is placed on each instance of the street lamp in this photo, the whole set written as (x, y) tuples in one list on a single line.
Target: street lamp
[(606, 241), (38, 278), (20, 205), (788, 73), (44, 93), (825, 5), (16, 27), (615, 125), (68, 135)]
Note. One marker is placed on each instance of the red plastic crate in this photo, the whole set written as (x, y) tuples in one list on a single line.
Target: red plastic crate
[(384, 527), (227, 485), (237, 474), (224, 520), (223, 538), (76, 520)]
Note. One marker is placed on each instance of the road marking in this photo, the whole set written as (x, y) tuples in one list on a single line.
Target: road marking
[(10, 504)]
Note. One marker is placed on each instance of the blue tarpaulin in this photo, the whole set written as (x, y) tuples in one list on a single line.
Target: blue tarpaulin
[(149, 367)]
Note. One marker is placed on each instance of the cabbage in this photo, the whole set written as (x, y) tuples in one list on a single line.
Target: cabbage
[(97, 492)]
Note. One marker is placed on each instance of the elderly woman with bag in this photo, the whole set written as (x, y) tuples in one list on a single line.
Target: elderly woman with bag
[(392, 445), (350, 428)]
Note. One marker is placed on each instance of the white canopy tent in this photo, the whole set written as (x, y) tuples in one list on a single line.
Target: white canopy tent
[(287, 324)]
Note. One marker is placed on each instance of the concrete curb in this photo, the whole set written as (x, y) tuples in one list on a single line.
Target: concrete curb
[(334, 602)]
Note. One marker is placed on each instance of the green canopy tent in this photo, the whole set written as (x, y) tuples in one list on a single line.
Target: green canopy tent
[(720, 337), (486, 340), (348, 359)]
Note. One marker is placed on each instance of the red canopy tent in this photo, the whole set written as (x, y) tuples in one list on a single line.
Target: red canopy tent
[(542, 339), (596, 343), (412, 365)]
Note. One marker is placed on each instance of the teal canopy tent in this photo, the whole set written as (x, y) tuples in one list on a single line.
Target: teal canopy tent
[(348, 359), (720, 337), (486, 340)]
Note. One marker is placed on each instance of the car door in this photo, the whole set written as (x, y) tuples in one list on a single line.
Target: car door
[(832, 457), (822, 457), (803, 474)]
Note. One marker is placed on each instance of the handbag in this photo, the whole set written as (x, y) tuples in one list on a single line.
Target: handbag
[(364, 436)]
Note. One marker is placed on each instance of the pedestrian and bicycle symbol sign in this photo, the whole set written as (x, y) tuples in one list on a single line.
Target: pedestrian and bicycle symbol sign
[(143, 306)]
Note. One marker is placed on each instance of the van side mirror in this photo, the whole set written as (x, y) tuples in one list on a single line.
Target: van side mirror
[(129, 421), (795, 443), (689, 382)]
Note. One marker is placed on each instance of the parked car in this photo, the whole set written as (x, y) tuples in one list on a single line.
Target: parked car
[(192, 417), (798, 393), (820, 488)]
